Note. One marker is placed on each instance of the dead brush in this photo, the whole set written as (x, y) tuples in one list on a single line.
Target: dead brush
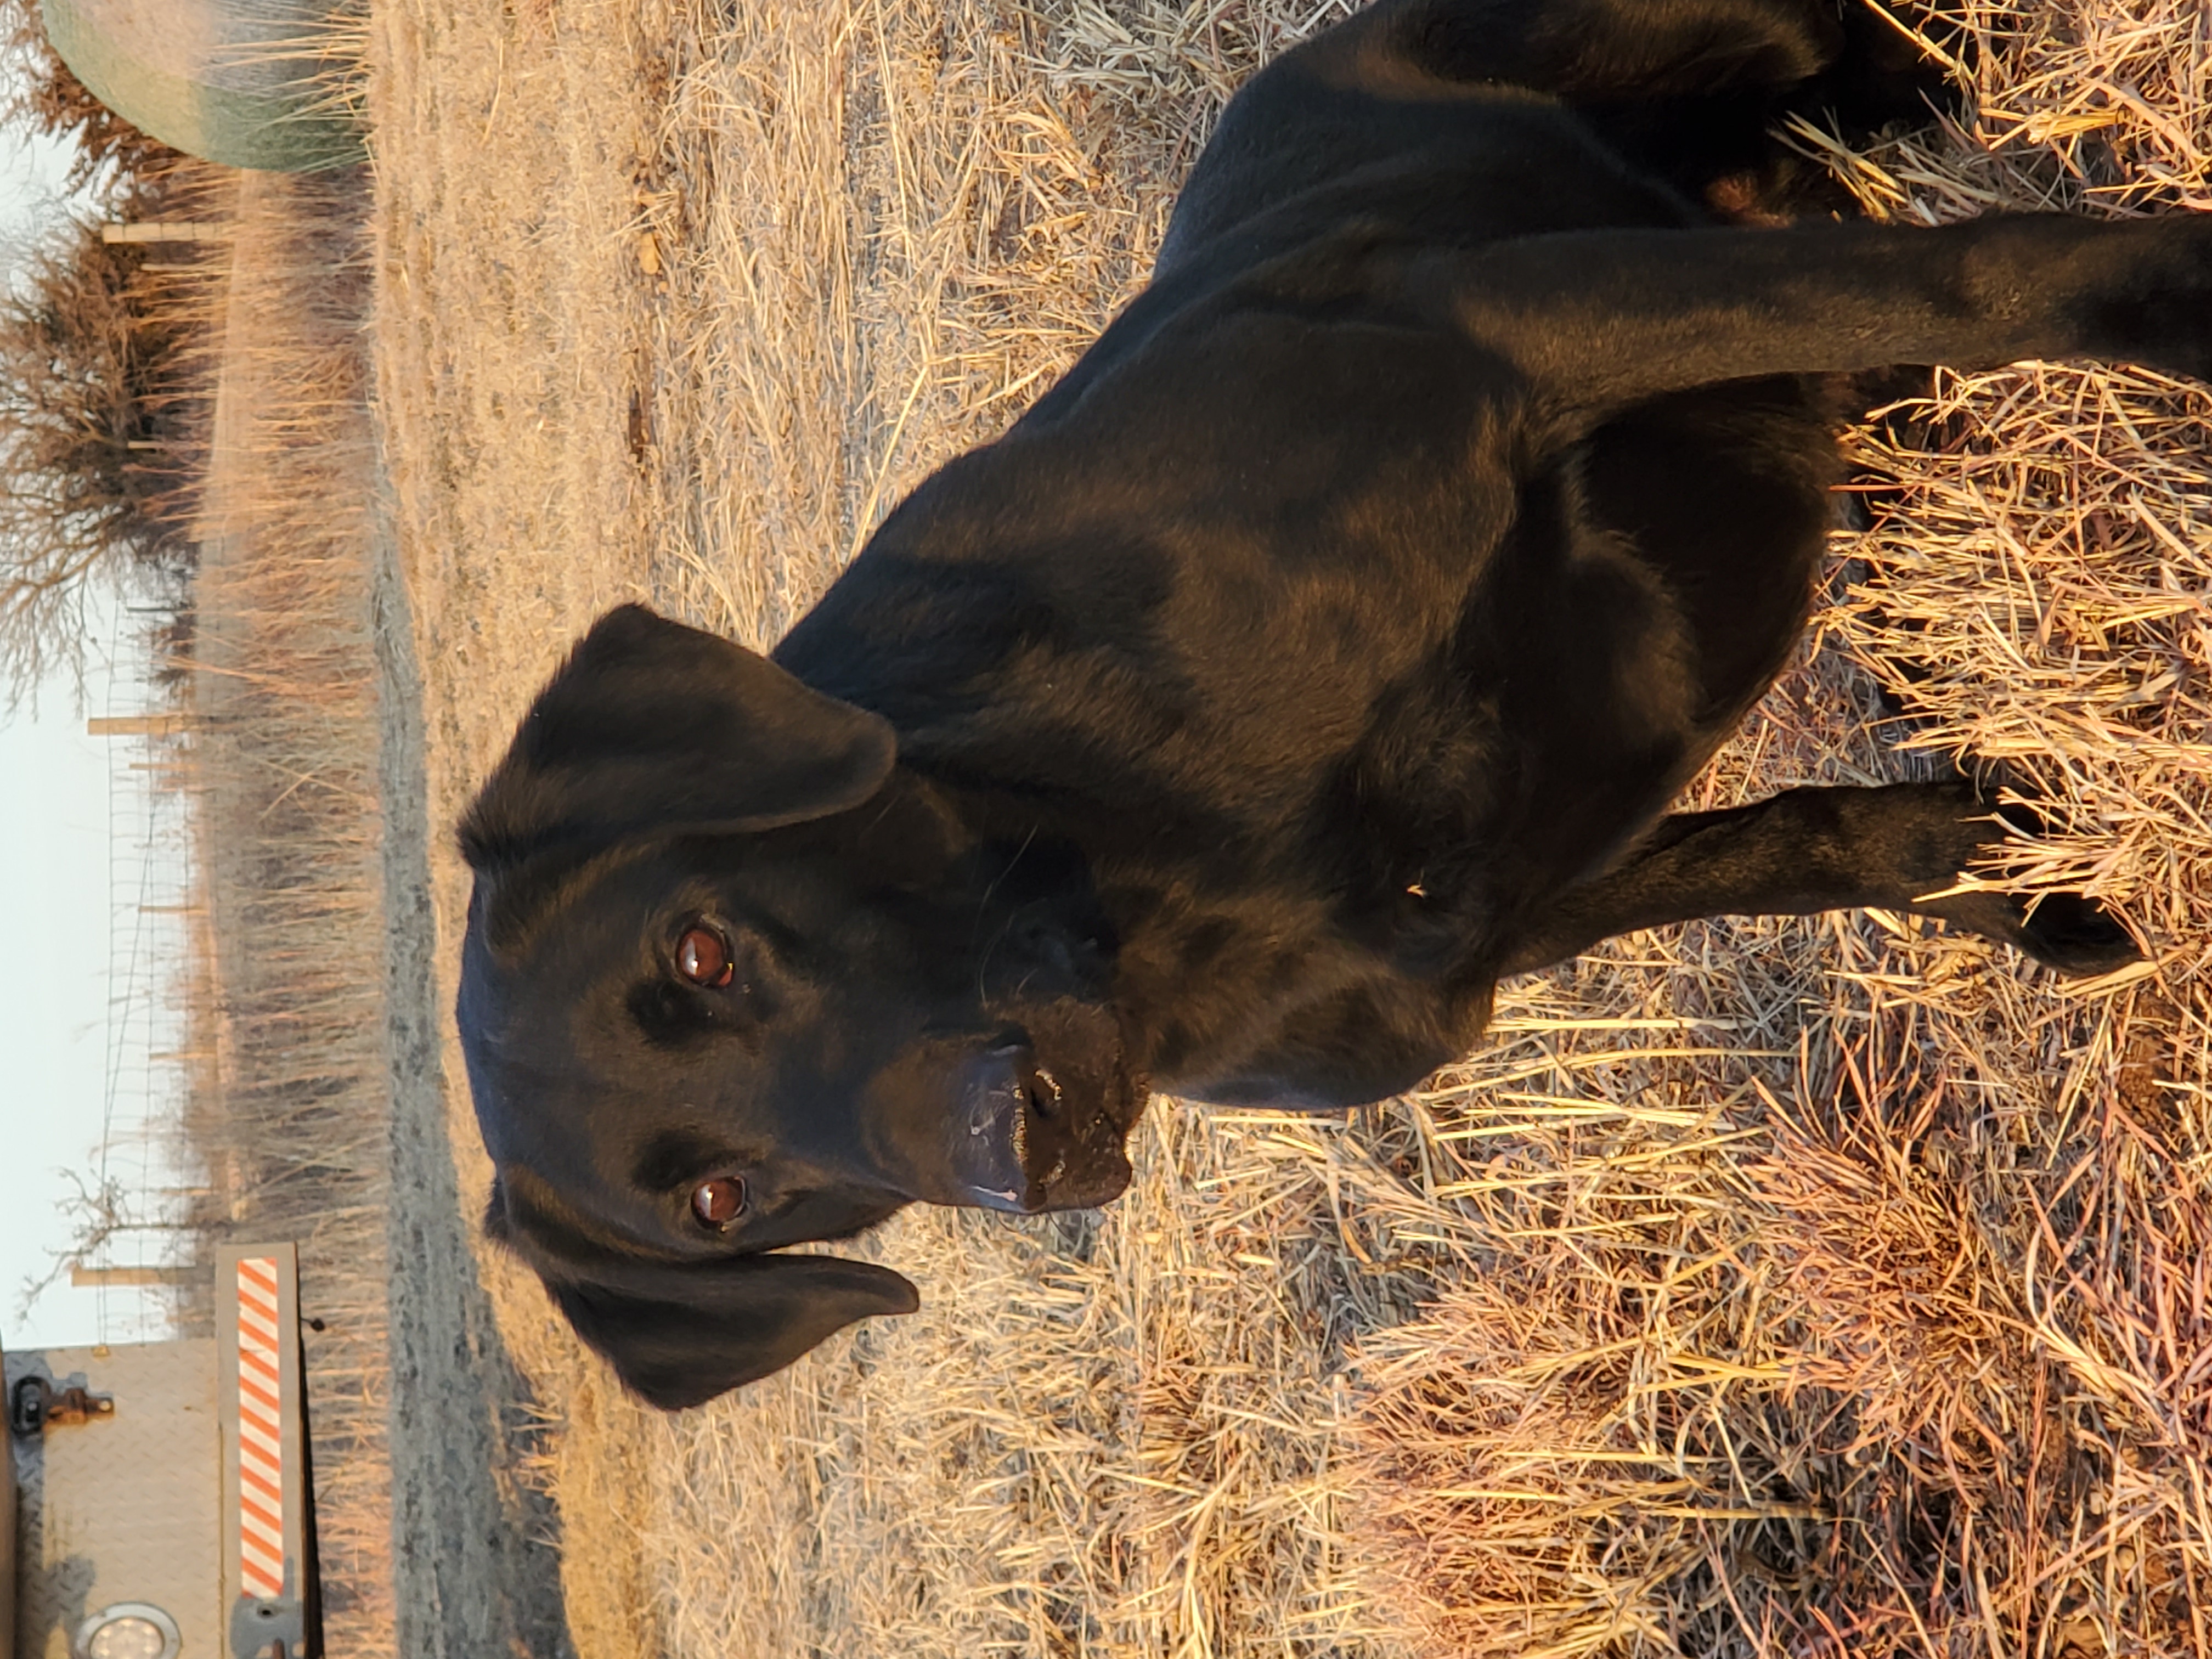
[(287, 1110)]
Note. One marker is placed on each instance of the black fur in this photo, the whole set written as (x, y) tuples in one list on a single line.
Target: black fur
[(1326, 646)]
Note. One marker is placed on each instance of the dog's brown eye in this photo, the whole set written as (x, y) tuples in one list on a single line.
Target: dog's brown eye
[(719, 1201), (702, 956)]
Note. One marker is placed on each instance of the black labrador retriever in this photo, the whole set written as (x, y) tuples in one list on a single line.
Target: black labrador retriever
[(1326, 647)]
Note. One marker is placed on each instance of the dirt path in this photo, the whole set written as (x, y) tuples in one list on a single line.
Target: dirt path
[(509, 298), (476, 1562)]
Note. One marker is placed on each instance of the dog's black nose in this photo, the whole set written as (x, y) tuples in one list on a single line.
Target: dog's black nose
[(1021, 1143)]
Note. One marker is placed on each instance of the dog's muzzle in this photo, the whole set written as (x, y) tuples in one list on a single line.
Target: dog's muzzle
[(1028, 1140)]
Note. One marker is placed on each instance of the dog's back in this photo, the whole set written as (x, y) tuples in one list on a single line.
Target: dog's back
[(1289, 596)]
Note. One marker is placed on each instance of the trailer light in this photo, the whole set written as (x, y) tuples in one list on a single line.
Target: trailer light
[(129, 1630)]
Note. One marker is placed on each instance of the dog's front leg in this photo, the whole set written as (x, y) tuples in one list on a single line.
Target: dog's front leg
[(1597, 320), (1806, 850)]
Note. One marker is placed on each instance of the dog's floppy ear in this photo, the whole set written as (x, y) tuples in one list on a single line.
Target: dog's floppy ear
[(650, 724), (680, 1335)]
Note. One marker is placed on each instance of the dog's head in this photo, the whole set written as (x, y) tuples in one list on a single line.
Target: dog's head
[(734, 980)]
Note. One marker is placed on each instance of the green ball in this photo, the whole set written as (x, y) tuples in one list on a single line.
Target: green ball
[(249, 83)]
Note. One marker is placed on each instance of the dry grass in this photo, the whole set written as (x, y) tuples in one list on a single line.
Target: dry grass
[(1913, 1352), (286, 1110), (1769, 1287)]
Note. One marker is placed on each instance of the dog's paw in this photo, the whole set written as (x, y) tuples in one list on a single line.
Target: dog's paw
[(2158, 310), (2074, 935), (2065, 932)]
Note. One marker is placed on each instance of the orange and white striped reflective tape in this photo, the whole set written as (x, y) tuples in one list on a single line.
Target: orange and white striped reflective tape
[(260, 1431)]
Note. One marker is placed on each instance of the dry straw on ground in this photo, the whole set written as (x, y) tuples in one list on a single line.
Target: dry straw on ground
[(1763, 1288)]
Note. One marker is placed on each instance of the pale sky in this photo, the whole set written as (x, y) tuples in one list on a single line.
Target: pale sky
[(66, 875)]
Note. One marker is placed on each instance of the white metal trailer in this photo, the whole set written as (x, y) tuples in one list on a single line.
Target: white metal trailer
[(159, 1499)]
